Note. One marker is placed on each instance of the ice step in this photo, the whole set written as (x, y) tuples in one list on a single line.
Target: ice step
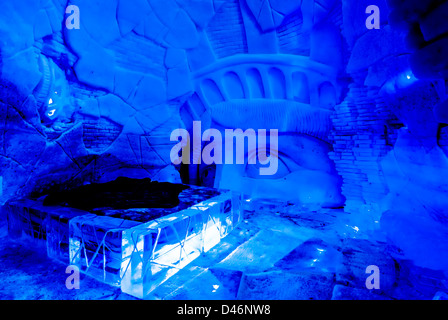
[(221, 279), (262, 251), (208, 285), (210, 282), (284, 285)]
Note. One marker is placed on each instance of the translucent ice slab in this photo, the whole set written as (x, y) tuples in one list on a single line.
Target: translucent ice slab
[(158, 249), (26, 219), (46, 225), (96, 246), (57, 228)]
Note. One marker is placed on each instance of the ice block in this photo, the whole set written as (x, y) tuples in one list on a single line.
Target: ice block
[(157, 250), (96, 246)]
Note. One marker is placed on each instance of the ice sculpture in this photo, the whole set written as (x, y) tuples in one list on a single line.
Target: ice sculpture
[(55, 102), (262, 90)]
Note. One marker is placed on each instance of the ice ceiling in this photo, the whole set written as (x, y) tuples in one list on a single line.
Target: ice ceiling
[(362, 114)]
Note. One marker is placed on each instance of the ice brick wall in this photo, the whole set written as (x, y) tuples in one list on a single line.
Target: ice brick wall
[(99, 134), (226, 31)]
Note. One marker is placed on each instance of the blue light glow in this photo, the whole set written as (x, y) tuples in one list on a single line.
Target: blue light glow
[(231, 149)]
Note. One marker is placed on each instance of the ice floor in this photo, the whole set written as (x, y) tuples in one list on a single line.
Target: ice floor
[(271, 255)]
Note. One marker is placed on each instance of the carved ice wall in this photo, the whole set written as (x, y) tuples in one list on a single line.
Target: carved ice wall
[(102, 101), (87, 105)]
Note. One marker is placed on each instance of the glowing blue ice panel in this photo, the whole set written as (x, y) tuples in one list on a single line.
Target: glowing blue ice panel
[(159, 249)]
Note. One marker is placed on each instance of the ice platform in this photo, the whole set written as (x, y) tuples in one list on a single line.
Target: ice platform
[(136, 249)]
